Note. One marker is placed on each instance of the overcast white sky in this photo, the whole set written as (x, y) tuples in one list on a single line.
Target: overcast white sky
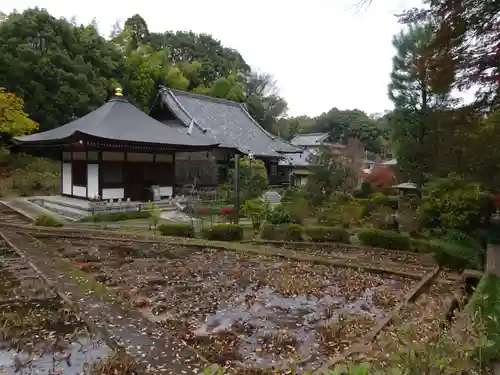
[(323, 53)]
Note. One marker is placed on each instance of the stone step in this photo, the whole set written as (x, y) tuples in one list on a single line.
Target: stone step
[(272, 197)]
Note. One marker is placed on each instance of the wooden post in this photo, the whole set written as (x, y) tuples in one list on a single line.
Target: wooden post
[(237, 189)]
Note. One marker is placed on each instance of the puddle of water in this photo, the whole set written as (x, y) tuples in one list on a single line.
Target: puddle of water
[(263, 313), (46, 339)]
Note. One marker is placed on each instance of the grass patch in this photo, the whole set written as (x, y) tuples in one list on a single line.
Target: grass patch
[(484, 309), (46, 220), (87, 284), (116, 216)]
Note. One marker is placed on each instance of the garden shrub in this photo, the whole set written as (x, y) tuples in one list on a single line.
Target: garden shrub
[(279, 215), (176, 229), (327, 234), (382, 200), (254, 209), (419, 245), (343, 214), (454, 255), (453, 203), (298, 210), (282, 232), (116, 216), (223, 232), (46, 220), (385, 239), (484, 309)]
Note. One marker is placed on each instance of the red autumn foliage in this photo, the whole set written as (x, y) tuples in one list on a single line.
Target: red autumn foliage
[(496, 200), (381, 178)]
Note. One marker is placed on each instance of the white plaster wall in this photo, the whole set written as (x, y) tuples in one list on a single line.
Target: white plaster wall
[(113, 193), (166, 191), (92, 180), (80, 191), (66, 178)]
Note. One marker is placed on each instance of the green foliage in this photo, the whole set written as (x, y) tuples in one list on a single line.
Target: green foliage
[(46, 220), (327, 234), (42, 57), (420, 245), (298, 209), (337, 169), (255, 210), (385, 239), (116, 216), (484, 309), (341, 210), (176, 229), (223, 232), (282, 232), (252, 177), (279, 215), (453, 203), (455, 256), (380, 199), (457, 250), (32, 175)]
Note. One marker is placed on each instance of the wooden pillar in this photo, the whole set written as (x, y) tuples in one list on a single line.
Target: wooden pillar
[(493, 259), (173, 172)]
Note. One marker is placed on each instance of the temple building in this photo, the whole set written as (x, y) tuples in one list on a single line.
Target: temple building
[(118, 152), (222, 122)]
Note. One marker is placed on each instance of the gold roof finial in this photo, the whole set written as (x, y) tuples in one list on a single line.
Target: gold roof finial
[(118, 91)]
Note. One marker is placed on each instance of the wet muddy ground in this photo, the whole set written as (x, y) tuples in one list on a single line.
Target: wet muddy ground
[(418, 323), (38, 334), (239, 310)]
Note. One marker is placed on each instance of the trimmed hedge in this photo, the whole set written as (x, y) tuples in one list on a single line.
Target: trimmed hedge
[(116, 216), (484, 309), (46, 220), (385, 239), (223, 232), (282, 232), (455, 256), (419, 245), (327, 234), (176, 229)]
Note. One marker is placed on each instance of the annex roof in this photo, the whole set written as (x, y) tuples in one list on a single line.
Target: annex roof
[(116, 120), (303, 159), (224, 122), (309, 139)]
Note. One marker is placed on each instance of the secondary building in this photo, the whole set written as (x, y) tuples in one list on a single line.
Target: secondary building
[(222, 122)]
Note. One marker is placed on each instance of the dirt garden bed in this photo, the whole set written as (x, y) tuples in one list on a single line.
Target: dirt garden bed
[(242, 310)]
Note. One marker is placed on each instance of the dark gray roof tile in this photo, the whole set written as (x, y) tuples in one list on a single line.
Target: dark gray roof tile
[(119, 120), (309, 139), (225, 122)]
